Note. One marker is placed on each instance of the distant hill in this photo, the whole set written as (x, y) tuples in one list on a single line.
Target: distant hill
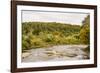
[(37, 27)]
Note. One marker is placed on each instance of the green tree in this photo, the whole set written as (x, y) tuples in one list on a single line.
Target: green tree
[(85, 31)]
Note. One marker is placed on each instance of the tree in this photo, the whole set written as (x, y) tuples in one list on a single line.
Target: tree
[(85, 31)]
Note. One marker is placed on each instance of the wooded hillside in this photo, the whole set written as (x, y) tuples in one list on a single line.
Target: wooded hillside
[(45, 34)]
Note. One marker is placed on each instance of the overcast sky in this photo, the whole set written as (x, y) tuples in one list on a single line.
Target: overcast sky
[(61, 17)]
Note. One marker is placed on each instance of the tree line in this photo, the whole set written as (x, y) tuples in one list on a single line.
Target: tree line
[(45, 34)]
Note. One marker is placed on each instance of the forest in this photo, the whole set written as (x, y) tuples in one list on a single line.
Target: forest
[(47, 34)]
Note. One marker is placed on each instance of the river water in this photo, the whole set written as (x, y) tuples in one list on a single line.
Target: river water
[(56, 53)]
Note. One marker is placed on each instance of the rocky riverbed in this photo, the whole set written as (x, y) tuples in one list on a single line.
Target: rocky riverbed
[(56, 53)]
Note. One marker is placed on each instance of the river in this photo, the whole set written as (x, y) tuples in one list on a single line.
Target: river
[(56, 53)]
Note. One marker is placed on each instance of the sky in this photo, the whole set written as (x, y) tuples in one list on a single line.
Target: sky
[(60, 17)]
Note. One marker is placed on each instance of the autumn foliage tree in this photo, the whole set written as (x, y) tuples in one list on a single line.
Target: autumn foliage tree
[(85, 31)]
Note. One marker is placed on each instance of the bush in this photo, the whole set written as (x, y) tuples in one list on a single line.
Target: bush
[(25, 43), (71, 40), (36, 42)]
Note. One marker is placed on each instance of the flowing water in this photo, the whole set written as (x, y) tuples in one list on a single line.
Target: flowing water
[(56, 53)]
